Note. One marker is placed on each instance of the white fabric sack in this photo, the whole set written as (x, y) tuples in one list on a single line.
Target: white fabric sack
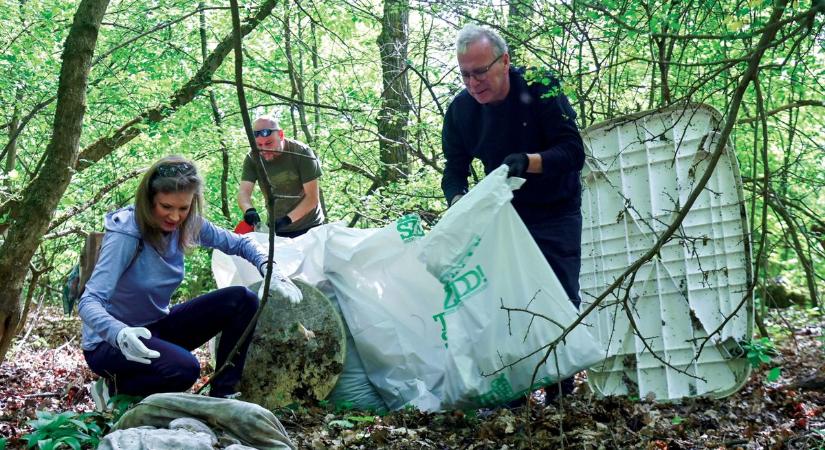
[(301, 257), (240, 421), (484, 256), (387, 298)]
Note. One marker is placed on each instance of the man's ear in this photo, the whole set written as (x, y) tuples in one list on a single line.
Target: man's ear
[(281, 134), (506, 60)]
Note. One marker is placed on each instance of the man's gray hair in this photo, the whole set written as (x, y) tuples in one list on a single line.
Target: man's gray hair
[(470, 34)]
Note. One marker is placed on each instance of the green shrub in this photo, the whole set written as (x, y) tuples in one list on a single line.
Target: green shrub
[(57, 430), (73, 430), (761, 351)]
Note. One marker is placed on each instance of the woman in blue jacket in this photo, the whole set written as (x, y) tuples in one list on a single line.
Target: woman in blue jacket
[(131, 337)]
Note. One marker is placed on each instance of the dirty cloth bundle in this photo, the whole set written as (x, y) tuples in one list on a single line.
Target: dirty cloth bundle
[(177, 421)]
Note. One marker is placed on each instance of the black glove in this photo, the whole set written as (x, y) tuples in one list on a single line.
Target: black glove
[(282, 222), (517, 162), (251, 217)]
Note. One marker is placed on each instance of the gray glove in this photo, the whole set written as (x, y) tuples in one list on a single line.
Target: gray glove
[(280, 285), (129, 343)]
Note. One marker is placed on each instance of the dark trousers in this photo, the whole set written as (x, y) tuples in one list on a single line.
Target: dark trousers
[(188, 326), (560, 240)]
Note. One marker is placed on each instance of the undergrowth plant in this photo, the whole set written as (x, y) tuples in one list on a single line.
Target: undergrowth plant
[(68, 428), (761, 352), (74, 430)]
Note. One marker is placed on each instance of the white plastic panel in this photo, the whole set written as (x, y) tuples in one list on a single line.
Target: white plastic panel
[(640, 170)]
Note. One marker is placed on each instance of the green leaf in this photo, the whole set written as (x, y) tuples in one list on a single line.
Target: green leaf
[(340, 424), (72, 442), (369, 419), (677, 420), (39, 423), (80, 424), (774, 374)]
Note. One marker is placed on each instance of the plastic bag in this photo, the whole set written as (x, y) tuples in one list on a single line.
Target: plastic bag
[(502, 303), (387, 298)]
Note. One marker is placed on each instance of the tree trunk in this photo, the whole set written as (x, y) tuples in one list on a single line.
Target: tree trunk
[(296, 77), (30, 219), (14, 125), (395, 103), (316, 87), (216, 116)]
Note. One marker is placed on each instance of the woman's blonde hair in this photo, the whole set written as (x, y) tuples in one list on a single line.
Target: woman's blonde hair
[(169, 175)]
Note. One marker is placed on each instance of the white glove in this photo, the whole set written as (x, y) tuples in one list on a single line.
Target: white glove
[(281, 286), (128, 340)]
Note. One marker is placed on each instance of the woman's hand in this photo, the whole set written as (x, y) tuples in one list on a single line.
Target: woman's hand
[(128, 340), (280, 285)]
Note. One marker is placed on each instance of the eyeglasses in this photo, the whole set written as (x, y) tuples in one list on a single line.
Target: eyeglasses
[(264, 133), (175, 169), (479, 74)]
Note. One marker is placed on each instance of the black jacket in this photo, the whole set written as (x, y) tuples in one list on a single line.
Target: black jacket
[(532, 119)]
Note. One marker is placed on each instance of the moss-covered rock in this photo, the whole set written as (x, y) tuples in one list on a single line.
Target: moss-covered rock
[(297, 351)]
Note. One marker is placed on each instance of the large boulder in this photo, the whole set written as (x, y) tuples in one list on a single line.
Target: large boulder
[(297, 351)]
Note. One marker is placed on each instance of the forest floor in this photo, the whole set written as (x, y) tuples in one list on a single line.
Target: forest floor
[(46, 371)]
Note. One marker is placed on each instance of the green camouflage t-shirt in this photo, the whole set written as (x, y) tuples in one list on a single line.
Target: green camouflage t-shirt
[(287, 174)]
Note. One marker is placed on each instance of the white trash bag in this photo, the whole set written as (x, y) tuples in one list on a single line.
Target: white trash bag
[(502, 303), (387, 298)]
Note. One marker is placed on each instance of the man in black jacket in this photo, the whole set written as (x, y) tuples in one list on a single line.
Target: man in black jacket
[(500, 118)]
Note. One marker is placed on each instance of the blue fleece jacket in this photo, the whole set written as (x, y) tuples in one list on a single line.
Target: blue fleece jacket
[(120, 295)]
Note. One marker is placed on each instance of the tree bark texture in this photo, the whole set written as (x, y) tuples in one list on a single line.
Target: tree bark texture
[(395, 97), (30, 220), (14, 126), (216, 116)]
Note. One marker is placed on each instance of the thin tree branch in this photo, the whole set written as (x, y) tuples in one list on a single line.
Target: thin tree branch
[(796, 104)]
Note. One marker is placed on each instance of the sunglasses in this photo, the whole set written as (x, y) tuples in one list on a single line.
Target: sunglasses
[(264, 133), (174, 170)]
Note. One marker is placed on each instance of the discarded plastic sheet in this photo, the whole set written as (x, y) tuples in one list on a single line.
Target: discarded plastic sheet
[(640, 169)]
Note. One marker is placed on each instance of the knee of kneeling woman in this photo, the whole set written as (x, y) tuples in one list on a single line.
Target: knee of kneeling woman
[(185, 374), (242, 297), (250, 300)]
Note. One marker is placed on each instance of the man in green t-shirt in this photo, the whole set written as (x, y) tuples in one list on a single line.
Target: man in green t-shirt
[(293, 171)]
